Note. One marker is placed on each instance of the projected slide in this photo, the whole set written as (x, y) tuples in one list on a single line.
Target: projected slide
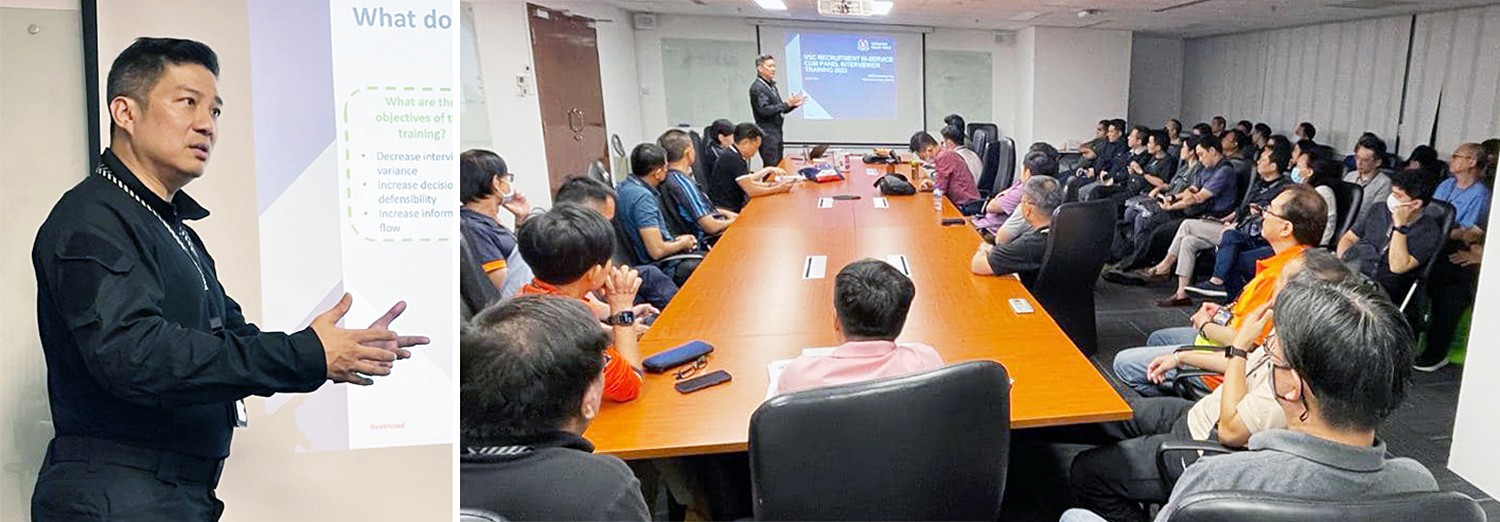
[(844, 76), (355, 139)]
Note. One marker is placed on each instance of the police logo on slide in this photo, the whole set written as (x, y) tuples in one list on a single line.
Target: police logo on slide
[(863, 45)]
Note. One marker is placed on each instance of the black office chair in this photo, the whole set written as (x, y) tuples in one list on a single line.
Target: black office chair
[(706, 157), (989, 161), (624, 256), (928, 446), (478, 515), (1076, 251), (1346, 198), (1444, 213), (475, 291), (981, 135), (1005, 171), (1237, 506)]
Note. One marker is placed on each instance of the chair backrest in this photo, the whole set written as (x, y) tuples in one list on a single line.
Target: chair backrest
[(1346, 198), (475, 291), (1445, 214), (990, 162), (1226, 506), (1076, 252), (622, 254), (981, 135), (478, 515), (706, 158), (1005, 171), (928, 446), (670, 208)]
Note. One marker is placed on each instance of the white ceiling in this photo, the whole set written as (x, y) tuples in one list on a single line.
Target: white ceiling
[(1185, 18)]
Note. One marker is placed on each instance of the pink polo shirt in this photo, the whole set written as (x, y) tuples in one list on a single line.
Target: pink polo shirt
[(858, 361)]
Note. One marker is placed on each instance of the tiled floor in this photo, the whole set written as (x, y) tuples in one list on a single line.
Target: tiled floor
[(1421, 429)]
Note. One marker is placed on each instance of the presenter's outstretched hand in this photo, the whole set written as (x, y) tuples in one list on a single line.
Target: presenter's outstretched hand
[(402, 342), (347, 358)]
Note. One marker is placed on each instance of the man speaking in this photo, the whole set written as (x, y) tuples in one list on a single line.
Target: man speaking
[(147, 357), (767, 106)]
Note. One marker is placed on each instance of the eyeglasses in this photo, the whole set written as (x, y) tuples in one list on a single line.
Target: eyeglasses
[(692, 369), (1263, 209)]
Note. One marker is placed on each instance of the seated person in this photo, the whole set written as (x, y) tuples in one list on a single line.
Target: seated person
[(1023, 256), (523, 454), (1455, 279), (1238, 231), (656, 288), (1036, 164), (1339, 368), (719, 140), (1113, 479), (731, 184), (871, 299), (1213, 196), (999, 210), (1088, 168), (1114, 180), (484, 188), (1369, 155), (1143, 213), (951, 174), (640, 219), (1291, 224), (693, 208), (1158, 171), (964, 149), (1305, 131), (1392, 241), (1236, 147), (569, 248)]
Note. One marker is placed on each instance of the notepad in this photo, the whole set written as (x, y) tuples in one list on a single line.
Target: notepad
[(872, 171), (814, 267), (899, 261), (882, 203), (825, 202), (778, 366)]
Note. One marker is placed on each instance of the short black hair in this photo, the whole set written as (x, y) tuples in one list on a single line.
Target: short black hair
[(921, 140), (872, 299), (1427, 158), (137, 69), (1244, 126), (759, 60), (1117, 124), (1350, 344), (583, 191), (953, 133), (1161, 139), (720, 127), (1239, 138), (1104, 122), (645, 158), (1040, 164), (524, 368), (676, 143), (1307, 211), (477, 170), (1374, 143), (1281, 155), (562, 244), (1191, 142), (1306, 145), (1209, 141), (1308, 130), (1326, 171), (747, 131), (1219, 120), (957, 121), (1173, 126), (1416, 183), (1202, 129), (1044, 147), (1262, 129), (1142, 132)]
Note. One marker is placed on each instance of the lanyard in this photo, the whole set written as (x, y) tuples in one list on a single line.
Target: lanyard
[(183, 241)]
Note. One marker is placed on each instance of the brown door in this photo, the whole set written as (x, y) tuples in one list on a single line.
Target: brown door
[(566, 51)]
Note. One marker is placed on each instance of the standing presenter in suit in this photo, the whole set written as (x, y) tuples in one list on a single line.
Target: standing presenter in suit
[(768, 107)]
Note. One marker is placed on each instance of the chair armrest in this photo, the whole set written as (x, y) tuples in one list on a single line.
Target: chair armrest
[(1173, 457), (677, 257), (1199, 348)]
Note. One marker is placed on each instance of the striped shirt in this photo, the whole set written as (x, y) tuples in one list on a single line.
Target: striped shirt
[(692, 203)]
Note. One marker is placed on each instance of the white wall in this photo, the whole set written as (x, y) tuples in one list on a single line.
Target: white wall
[(1155, 80), (43, 152), (653, 79), (1476, 426), (1347, 78), (1079, 76), (1004, 82)]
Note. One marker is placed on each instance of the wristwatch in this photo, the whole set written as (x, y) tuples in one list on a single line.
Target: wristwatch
[(625, 318), (1405, 230), (1231, 352)]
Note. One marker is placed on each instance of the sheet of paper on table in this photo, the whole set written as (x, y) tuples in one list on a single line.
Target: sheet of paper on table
[(779, 365)]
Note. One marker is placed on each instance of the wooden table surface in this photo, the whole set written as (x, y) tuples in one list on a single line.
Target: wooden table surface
[(749, 300)]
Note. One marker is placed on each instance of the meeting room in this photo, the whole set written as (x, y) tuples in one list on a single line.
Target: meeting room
[(1015, 260)]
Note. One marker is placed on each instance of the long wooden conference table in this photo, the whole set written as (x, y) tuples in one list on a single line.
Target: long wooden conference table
[(751, 300)]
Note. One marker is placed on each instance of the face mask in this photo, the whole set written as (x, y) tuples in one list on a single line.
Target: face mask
[(1296, 174), (1391, 203), (508, 197)]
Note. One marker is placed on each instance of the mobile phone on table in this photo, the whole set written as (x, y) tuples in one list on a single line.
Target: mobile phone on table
[(704, 381), (947, 222)]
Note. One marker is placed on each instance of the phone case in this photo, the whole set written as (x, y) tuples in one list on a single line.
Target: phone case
[(676, 356), (704, 381)]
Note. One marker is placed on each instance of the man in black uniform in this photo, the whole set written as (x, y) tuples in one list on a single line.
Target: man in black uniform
[(766, 104), (147, 358)]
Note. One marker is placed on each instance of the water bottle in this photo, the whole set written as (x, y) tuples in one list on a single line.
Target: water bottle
[(937, 199)]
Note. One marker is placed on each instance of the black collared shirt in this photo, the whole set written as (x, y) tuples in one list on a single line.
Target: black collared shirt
[(555, 476), (138, 350), (767, 106)]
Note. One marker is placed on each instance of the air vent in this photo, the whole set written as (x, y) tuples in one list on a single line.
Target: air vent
[(858, 8)]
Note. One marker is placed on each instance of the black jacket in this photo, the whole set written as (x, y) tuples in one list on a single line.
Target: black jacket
[(143, 347), (767, 105)]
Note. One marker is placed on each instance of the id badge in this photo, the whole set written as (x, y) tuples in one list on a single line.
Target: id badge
[(241, 415)]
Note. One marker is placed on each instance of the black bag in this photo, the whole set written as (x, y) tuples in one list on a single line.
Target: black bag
[(874, 159), (895, 185)]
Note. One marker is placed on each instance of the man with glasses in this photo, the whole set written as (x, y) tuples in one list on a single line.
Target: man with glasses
[(1339, 368), (1040, 197), (486, 185), (871, 299), (1455, 279), (1113, 480), (1369, 155)]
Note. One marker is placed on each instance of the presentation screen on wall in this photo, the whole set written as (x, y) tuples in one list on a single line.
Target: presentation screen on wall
[(860, 87)]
